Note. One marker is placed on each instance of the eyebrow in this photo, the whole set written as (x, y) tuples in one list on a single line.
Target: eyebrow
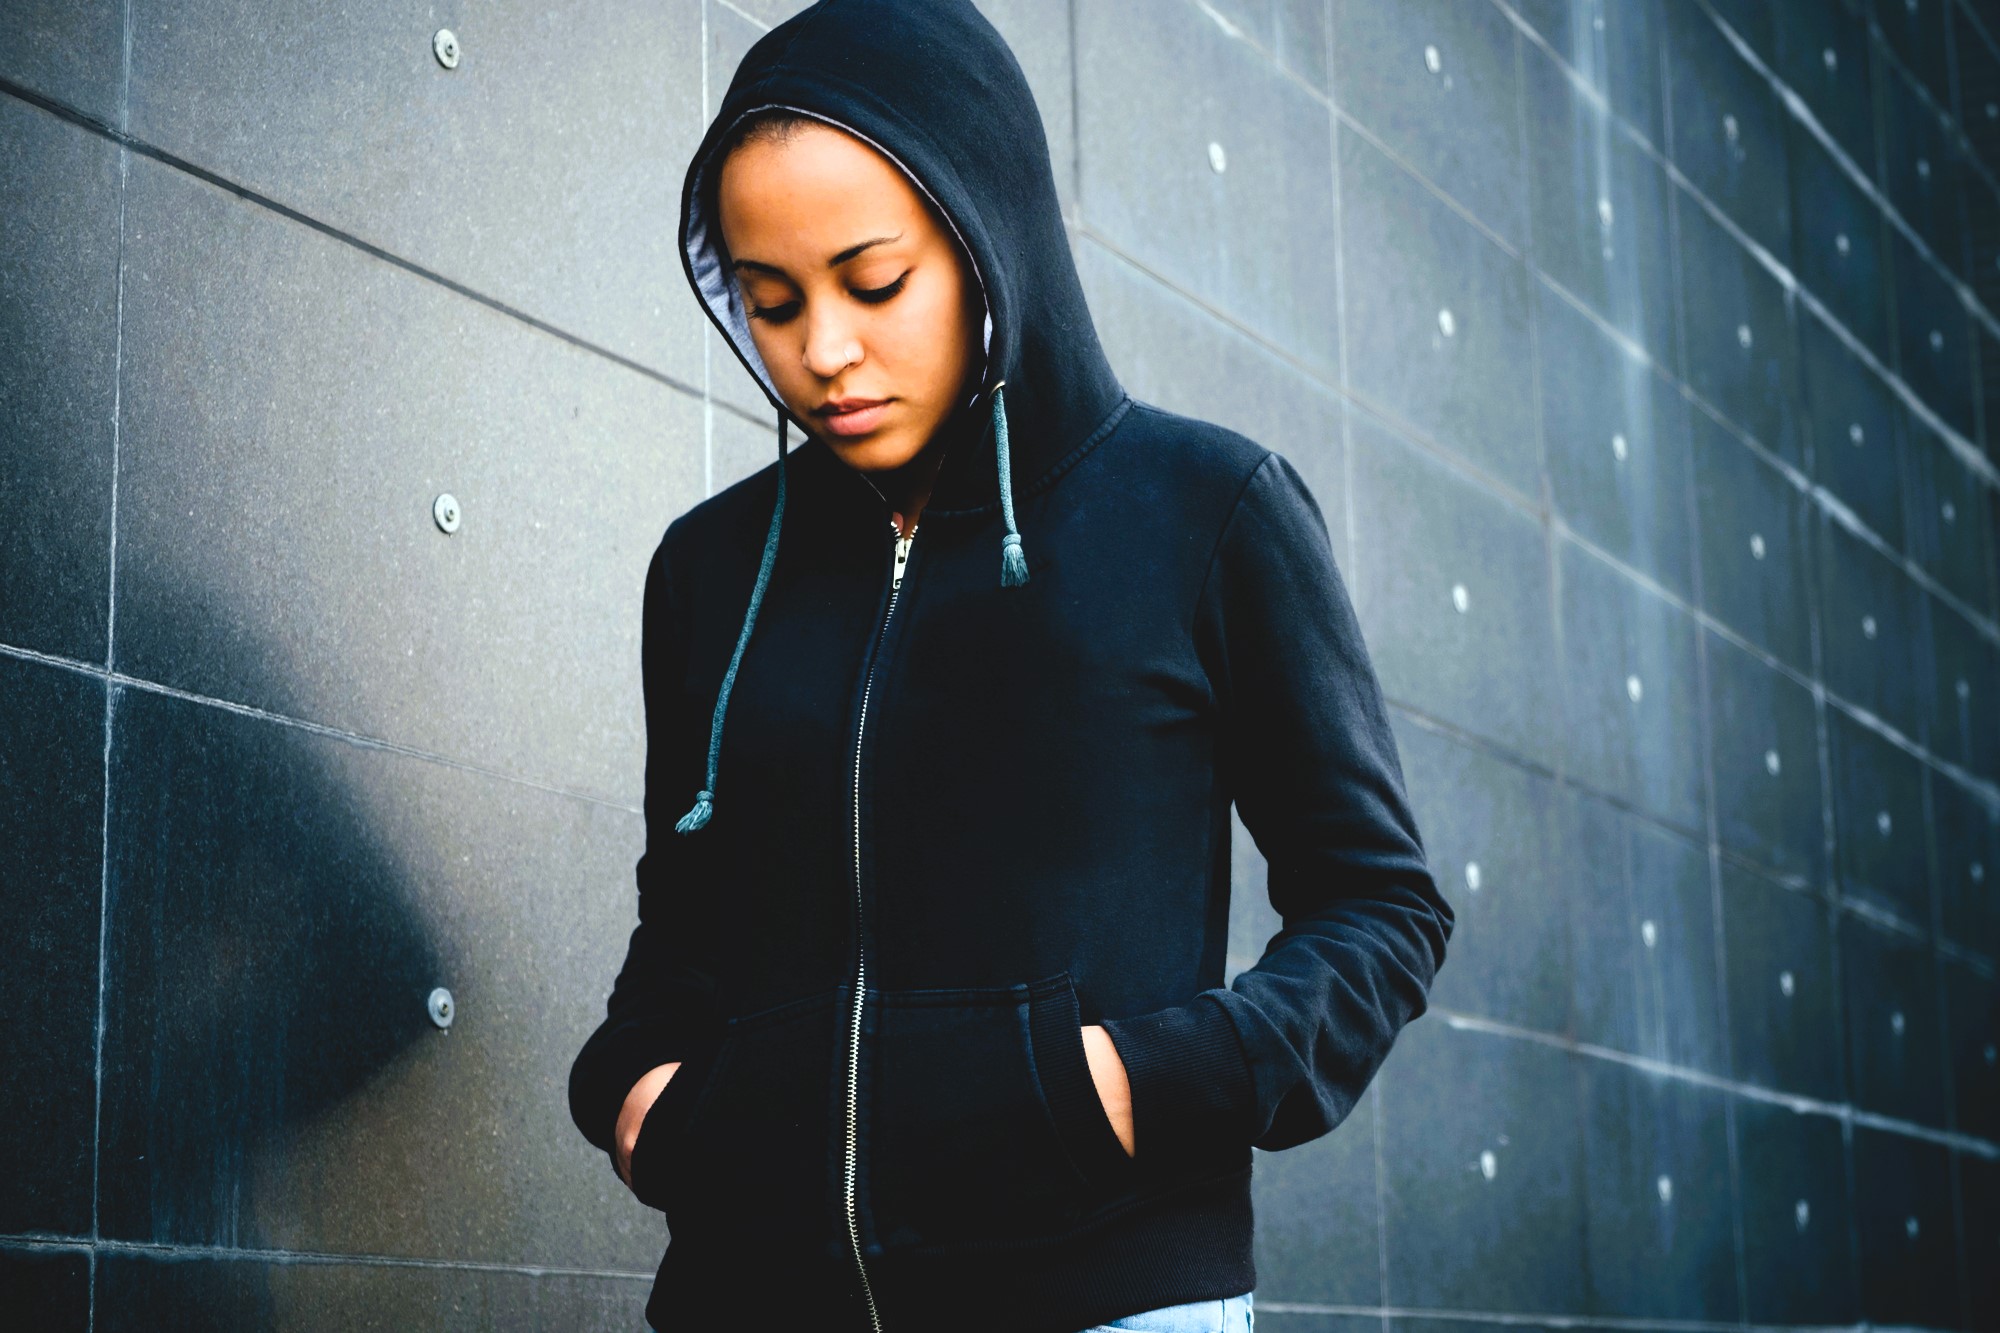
[(834, 262)]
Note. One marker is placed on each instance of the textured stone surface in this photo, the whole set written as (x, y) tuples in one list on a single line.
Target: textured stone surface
[(1652, 408)]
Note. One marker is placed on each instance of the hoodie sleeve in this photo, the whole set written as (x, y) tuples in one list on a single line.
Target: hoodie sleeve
[(659, 1006), (1280, 1056)]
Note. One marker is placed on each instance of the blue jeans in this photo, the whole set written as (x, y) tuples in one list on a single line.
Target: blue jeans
[(1230, 1315)]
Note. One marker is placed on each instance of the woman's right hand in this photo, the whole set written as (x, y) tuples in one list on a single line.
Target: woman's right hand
[(633, 1114)]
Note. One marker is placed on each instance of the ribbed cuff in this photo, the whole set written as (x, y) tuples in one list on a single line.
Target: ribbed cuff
[(1191, 1085)]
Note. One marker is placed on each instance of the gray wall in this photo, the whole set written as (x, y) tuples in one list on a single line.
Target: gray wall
[(1642, 354)]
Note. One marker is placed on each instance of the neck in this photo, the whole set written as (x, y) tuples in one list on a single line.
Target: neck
[(906, 489)]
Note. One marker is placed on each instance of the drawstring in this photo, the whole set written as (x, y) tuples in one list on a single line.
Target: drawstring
[(1013, 572), (1013, 562), (704, 804)]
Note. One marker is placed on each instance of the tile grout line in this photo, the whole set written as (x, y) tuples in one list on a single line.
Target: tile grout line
[(707, 342), (1885, 59), (1718, 935), (1850, 1178), (1341, 332), (1977, 787), (110, 692), (1543, 513), (1984, 625), (1944, 111), (1380, 1162), (1981, 425), (1234, 31), (1846, 1112), (1764, 871), (1839, 921), (1075, 118), (40, 1240), (1968, 454), (1941, 1015), (1967, 14), (1968, 451), (745, 15), (113, 684), (1555, 1321), (155, 153), (1811, 491), (121, 680), (1379, 1153), (1435, 723), (1547, 522), (1825, 896), (1926, 782), (1577, 1081)]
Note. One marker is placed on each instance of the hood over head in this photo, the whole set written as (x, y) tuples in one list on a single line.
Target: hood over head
[(932, 86)]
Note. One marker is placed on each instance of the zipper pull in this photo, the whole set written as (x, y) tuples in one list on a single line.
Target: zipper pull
[(902, 558)]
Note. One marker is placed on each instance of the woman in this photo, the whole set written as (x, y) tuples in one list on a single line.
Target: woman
[(922, 1025)]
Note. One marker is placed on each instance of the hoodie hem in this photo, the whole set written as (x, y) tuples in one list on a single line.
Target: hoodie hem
[(1194, 1244)]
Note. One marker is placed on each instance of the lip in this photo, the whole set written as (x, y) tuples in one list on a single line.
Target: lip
[(852, 416)]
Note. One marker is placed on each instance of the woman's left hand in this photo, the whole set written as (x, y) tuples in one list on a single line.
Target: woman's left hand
[(1107, 1071)]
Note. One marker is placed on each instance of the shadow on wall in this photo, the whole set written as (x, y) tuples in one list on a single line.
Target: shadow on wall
[(266, 963)]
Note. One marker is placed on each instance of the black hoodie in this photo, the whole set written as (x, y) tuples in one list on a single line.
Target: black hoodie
[(956, 813)]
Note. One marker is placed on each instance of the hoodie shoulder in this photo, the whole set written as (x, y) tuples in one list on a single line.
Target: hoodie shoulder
[(1211, 455), (747, 500)]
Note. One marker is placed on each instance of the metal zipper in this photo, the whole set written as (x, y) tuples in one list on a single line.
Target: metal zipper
[(860, 961)]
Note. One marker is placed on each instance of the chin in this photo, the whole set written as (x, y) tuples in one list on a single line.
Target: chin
[(878, 452)]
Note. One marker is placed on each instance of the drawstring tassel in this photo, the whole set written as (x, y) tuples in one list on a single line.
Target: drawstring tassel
[(1013, 564), (1013, 561), (704, 804)]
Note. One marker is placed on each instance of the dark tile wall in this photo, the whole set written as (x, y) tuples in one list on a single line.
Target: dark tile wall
[(1643, 357)]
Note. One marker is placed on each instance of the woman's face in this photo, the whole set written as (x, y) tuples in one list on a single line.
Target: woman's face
[(857, 293)]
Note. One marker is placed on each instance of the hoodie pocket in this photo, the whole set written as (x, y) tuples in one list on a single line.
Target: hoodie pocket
[(744, 1152), (665, 1125), (982, 1124)]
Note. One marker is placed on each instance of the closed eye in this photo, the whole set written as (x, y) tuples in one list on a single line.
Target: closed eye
[(877, 295), (779, 314)]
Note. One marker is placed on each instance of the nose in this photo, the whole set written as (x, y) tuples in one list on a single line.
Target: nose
[(831, 345)]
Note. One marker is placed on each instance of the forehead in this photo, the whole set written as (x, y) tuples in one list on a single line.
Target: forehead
[(818, 184)]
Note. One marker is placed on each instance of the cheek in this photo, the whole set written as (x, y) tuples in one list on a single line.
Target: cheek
[(775, 350), (929, 338)]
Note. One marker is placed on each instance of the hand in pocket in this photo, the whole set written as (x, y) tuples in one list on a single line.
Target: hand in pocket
[(633, 1114), (1114, 1090)]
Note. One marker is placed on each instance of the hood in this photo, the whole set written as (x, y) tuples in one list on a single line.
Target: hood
[(934, 88)]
